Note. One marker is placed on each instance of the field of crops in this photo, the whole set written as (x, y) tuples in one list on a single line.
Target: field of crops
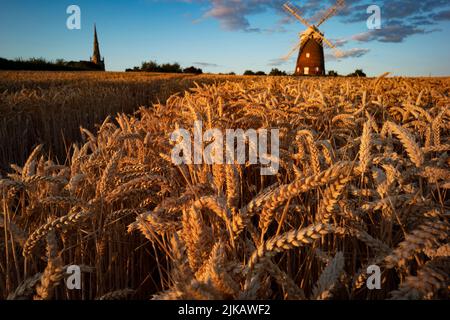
[(49, 107), (363, 181)]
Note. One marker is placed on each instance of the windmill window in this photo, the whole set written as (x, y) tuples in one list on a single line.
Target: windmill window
[(317, 68), (308, 55)]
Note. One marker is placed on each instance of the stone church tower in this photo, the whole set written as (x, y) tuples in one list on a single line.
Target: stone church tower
[(96, 57)]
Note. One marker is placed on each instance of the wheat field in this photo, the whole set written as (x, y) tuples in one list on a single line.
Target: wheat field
[(363, 180), (49, 107)]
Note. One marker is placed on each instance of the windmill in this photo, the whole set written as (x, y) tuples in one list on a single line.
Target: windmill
[(311, 58)]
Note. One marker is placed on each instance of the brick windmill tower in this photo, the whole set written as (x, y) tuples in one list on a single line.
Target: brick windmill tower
[(96, 57), (311, 58)]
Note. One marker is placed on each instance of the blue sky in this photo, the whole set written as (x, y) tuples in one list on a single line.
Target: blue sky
[(229, 35)]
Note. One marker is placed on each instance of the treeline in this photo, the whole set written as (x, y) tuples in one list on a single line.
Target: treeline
[(357, 73), (152, 66), (40, 64), (273, 72), (277, 72)]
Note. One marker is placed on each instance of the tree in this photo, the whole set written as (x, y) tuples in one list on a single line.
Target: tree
[(333, 73), (193, 70), (358, 73), (260, 73), (171, 68), (249, 73), (277, 72), (150, 66)]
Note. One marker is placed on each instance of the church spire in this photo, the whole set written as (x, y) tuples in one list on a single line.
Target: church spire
[(96, 58)]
